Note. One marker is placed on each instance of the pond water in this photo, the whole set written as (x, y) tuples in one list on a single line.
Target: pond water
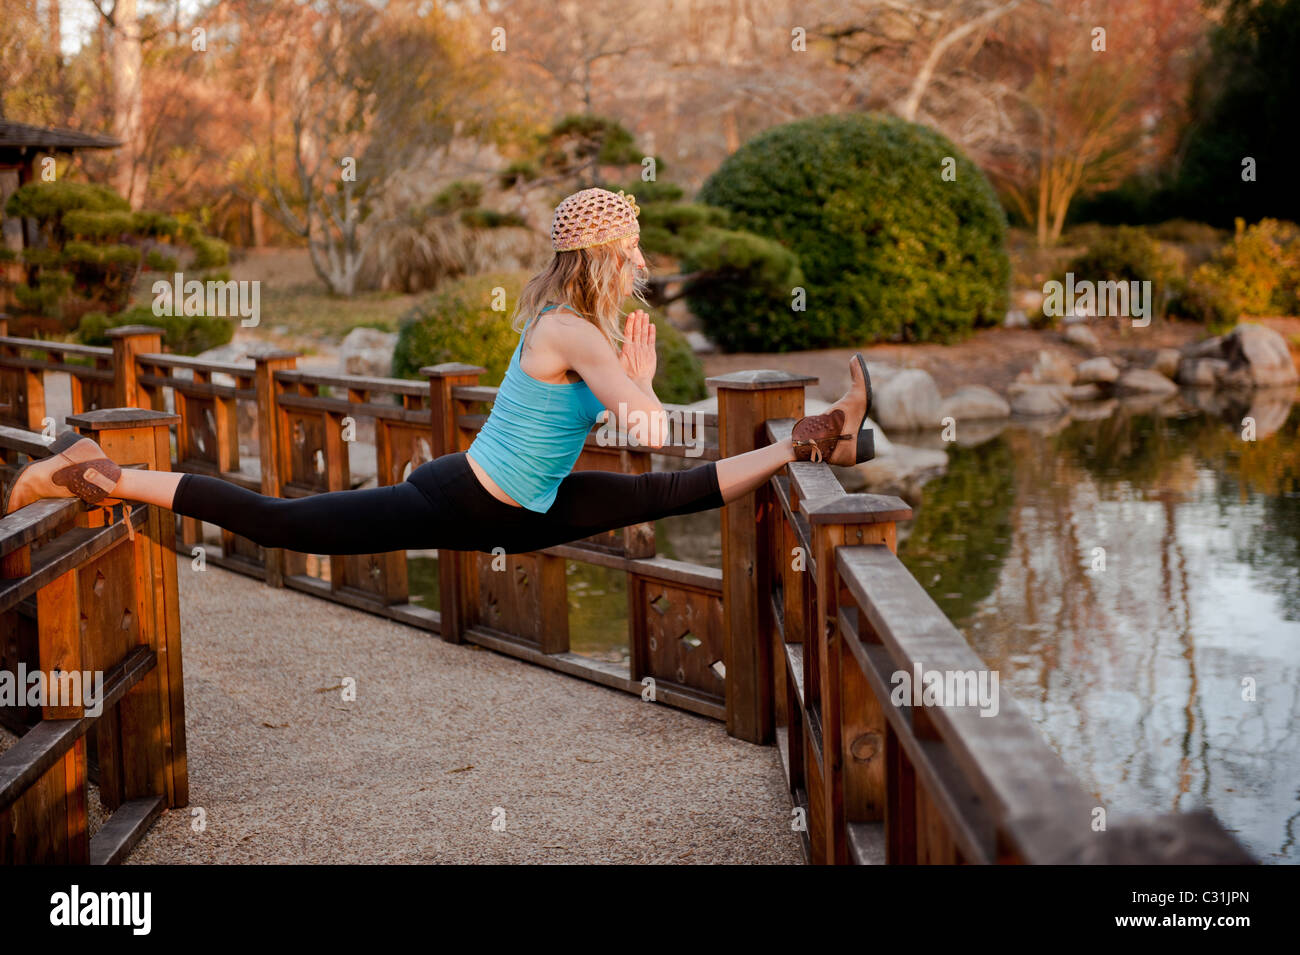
[(1131, 578)]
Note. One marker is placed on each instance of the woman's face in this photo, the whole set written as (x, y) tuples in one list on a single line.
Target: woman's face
[(634, 262)]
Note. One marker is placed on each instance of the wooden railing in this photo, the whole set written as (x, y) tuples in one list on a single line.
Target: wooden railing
[(82, 596), (794, 640)]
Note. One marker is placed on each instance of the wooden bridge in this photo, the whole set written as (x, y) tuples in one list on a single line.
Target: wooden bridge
[(793, 644)]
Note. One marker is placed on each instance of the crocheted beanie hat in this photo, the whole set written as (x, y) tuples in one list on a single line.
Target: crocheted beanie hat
[(593, 217)]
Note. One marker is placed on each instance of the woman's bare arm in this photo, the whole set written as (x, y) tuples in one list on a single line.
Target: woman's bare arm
[(622, 383)]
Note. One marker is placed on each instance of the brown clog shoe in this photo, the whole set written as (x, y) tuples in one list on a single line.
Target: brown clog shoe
[(76, 466), (818, 437)]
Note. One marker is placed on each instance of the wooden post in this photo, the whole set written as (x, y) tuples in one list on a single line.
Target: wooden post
[(457, 570), (746, 399), (129, 341), (271, 440), (153, 711), (57, 613), (850, 519), (22, 401)]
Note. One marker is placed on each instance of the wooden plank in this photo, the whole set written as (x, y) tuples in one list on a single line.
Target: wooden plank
[(109, 419), (900, 803), (182, 387), (933, 844), (46, 742), (339, 406), (60, 639), (391, 386), (1008, 764), (34, 521), (169, 360), (967, 818), (60, 348), (31, 443), (607, 674), (794, 669), (553, 595), (863, 722), (866, 843), (124, 829), (744, 403), (168, 640), (65, 552)]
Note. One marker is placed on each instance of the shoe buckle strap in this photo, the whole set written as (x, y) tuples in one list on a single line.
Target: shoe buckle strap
[(126, 516)]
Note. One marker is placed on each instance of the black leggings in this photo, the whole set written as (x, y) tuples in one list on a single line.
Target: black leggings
[(442, 504)]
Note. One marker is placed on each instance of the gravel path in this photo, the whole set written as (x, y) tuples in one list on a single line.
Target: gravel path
[(439, 741)]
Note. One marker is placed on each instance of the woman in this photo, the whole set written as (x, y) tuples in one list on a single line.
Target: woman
[(512, 488)]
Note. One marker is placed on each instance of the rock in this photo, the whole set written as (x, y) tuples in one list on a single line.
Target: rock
[(903, 471), (882, 445), (1088, 392), (1016, 319), (1051, 368), (972, 434), (1035, 400), (1096, 371), (1269, 412), (1144, 381), (699, 342), (1201, 372), (909, 401), (1083, 336), (1257, 357), (1167, 361), (1094, 410), (368, 352), (1146, 403), (1028, 299), (973, 403)]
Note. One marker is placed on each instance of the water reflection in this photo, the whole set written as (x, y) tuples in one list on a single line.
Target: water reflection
[(1142, 572)]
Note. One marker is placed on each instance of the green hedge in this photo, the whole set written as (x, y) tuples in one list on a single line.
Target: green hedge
[(888, 249), (457, 323)]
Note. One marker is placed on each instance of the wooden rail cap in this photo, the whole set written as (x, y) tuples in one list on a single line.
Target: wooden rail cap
[(856, 509), (261, 355), (28, 523), (31, 443), (125, 331), (450, 368), (759, 379), (108, 419)]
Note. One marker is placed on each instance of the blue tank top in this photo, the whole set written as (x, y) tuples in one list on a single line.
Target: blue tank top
[(534, 433)]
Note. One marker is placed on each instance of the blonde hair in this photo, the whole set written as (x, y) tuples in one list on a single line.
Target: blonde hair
[(588, 280)]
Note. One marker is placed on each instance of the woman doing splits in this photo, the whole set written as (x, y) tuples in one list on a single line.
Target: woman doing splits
[(512, 488)]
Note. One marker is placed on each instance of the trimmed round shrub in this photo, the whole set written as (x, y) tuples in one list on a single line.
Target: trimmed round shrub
[(457, 323), (889, 250)]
